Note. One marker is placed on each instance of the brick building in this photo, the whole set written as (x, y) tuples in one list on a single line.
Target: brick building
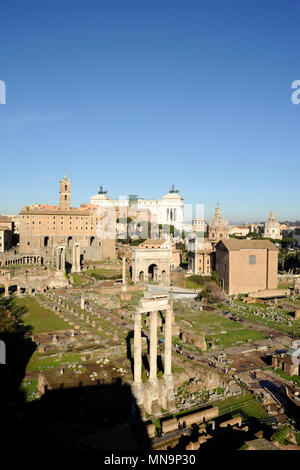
[(246, 265)]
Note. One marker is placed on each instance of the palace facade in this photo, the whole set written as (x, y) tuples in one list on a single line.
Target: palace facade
[(42, 227), (169, 210)]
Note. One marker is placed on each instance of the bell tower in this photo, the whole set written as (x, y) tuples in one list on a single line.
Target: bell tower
[(65, 193)]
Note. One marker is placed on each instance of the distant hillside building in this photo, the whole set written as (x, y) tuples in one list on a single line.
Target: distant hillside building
[(199, 225), (256, 228), (272, 228), (245, 266), (296, 234), (239, 230)]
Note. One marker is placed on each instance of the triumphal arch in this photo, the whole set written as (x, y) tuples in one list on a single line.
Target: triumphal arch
[(151, 264), (156, 393)]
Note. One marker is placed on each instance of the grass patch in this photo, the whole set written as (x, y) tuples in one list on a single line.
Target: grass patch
[(41, 361), (80, 280), (248, 313), (282, 435), (196, 282), (237, 404), (29, 388), (284, 286), (217, 329), (40, 318), (293, 378), (104, 274)]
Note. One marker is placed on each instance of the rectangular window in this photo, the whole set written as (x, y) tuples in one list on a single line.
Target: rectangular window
[(252, 259)]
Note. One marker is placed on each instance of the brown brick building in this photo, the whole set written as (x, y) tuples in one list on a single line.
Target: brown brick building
[(246, 265)]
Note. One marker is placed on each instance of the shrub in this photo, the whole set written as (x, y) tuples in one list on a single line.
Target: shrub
[(213, 293)]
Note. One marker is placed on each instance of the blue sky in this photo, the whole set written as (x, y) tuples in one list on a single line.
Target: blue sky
[(138, 95)]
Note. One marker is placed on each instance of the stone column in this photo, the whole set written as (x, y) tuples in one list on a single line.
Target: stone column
[(124, 274), (6, 290), (61, 258), (153, 347), (152, 405), (58, 258), (169, 395), (82, 302), (137, 374), (168, 342), (76, 258), (53, 256), (171, 296)]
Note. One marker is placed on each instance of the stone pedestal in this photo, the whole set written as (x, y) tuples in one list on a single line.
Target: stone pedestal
[(124, 295), (59, 280), (151, 398), (169, 396)]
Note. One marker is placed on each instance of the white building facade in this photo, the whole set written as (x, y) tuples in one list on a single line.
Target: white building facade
[(168, 210)]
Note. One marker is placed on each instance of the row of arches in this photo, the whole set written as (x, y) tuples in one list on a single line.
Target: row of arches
[(22, 260), (153, 273), (10, 288), (48, 241)]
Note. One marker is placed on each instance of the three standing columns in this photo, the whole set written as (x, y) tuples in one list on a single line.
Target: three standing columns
[(153, 392)]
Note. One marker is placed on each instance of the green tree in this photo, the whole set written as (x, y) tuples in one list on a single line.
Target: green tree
[(11, 320)]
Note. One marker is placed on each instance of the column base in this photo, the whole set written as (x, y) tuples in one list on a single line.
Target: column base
[(151, 402), (138, 392), (76, 269), (169, 392)]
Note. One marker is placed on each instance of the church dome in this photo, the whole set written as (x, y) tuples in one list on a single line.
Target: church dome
[(218, 220), (272, 222)]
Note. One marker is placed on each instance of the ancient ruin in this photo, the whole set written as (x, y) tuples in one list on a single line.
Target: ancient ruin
[(154, 394), (151, 264)]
